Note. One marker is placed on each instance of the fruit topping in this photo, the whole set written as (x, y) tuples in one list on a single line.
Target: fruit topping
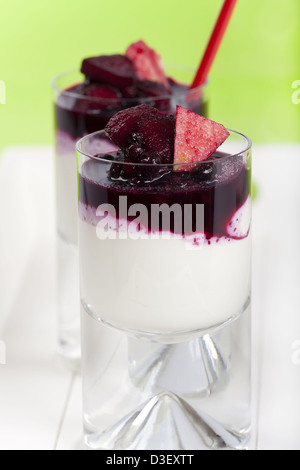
[(147, 63), (96, 90), (157, 91), (149, 88), (116, 70), (155, 134), (146, 138), (196, 139), (120, 126), (150, 141), (97, 97), (145, 135), (130, 91)]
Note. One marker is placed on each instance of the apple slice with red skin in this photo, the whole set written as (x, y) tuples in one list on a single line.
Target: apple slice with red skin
[(147, 63), (196, 139)]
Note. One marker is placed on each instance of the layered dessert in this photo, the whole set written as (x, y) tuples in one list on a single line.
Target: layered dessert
[(164, 223), (108, 84), (84, 102)]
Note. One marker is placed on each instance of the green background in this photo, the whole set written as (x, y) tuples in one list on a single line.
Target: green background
[(250, 82)]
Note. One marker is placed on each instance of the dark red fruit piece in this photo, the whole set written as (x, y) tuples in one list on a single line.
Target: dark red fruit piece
[(130, 91), (96, 90), (116, 70), (96, 96), (147, 62), (120, 126), (156, 133), (157, 91), (152, 88)]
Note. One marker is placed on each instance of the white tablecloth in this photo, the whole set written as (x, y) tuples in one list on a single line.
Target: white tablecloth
[(40, 401)]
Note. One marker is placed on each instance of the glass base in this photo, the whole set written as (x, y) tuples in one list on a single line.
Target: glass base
[(69, 335), (193, 395), (167, 422)]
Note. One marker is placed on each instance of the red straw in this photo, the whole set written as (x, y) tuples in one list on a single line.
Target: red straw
[(214, 43)]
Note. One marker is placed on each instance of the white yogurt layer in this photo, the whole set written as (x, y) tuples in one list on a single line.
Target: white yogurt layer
[(66, 187), (165, 286)]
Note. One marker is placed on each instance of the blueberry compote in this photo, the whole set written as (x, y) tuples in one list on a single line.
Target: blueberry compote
[(220, 184)]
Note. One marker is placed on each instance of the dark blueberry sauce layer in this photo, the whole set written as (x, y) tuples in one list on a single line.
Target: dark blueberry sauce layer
[(221, 185), (79, 115)]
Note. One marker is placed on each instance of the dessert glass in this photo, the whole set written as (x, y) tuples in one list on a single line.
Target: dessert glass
[(173, 292), (75, 117)]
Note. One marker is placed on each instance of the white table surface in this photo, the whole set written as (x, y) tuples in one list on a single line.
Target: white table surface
[(40, 401)]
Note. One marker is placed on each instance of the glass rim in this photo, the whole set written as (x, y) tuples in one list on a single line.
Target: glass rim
[(143, 99), (247, 140)]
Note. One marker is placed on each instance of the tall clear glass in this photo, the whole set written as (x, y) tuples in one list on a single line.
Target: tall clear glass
[(76, 116), (165, 268)]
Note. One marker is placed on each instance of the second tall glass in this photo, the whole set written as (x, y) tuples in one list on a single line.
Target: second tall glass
[(76, 116)]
